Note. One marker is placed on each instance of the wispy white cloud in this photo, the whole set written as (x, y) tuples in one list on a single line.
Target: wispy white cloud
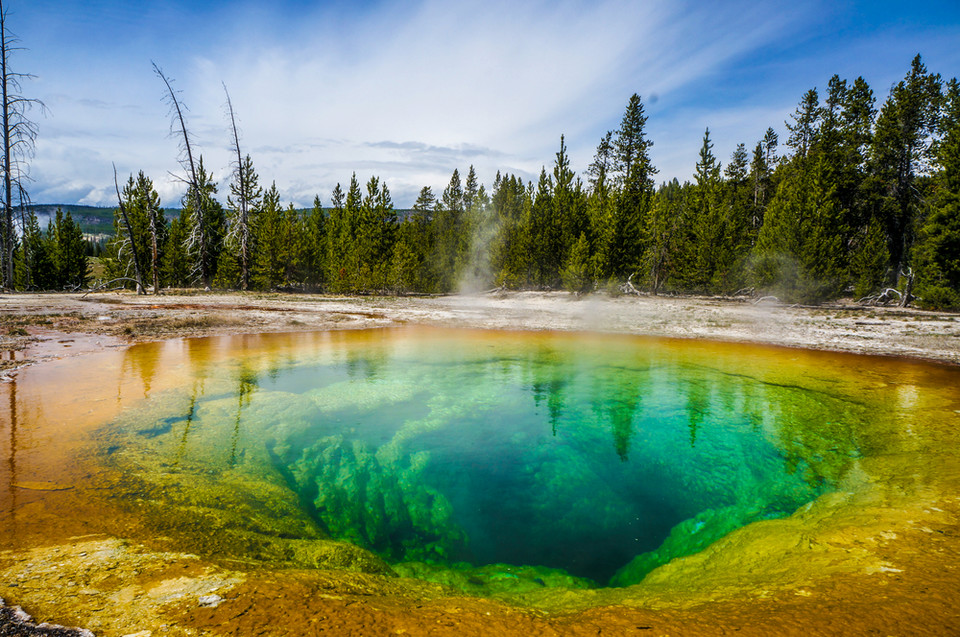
[(407, 91), (494, 84)]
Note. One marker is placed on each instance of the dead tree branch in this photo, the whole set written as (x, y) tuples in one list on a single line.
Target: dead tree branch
[(766, 299), (107, 283), (883, 297), (240, 228), (178, 124), (628, 287)]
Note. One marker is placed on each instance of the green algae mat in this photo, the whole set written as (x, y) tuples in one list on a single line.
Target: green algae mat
[(499, 463)]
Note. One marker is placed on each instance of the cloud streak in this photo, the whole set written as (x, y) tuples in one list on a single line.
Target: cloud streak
[(407, 91)]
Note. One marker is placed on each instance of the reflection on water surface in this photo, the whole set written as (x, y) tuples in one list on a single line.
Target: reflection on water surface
[(471, 458)]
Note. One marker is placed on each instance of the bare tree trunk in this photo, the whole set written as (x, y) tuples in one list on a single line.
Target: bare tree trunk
[(19, 135), (908, 289), (7, 156), (155, 264), (244, 222), (193, 182), (154, 261)]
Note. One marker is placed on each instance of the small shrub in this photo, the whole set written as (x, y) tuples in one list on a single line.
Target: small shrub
[(938, 297)]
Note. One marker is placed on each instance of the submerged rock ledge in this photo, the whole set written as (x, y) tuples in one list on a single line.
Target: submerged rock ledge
[(14, 622)]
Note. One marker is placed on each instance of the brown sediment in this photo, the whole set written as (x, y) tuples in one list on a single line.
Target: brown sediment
[(117, 589), (885, 562)]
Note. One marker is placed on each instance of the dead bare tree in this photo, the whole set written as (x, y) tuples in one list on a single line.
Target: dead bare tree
[(154, 216), (629, 287), (887, 296), (196, 239), (247, 192), (19, 137), (907, 273)]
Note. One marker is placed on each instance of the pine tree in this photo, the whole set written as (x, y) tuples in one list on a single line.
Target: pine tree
[(601, 200), (156, 227), (624, 243), (349, 235), (177, 266), (316, 250), (577, 273), (471, 188), (569, 207), (706, 254), (338, 242), (415, 269), (375, 235), (449, 243), (149, 232), (666, 229), (938, 248), (408, 269), (206, 225), (846, 141), (71, 259), (803, 248), (270, 264), (509, 246), (243, 205), (868, 258), (738, 216), (543, 270), (602, 167), (800, 251), (474, 264), (770, 142), (736, 170), (54, 260), (39, 268), (901, 151), (759, 177), (806, 124), (228, 267), (857, 121), (294, 248), (24, 258)]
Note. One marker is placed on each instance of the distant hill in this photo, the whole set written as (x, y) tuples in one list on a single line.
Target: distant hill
[(92, 219), (97, 220)]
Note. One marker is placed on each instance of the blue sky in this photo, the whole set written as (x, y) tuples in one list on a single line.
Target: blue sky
[(408, 91)]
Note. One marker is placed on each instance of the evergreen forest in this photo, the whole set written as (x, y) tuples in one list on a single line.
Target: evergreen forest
[(861, 199)]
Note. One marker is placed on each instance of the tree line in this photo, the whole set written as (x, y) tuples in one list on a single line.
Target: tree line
[(862, 201)]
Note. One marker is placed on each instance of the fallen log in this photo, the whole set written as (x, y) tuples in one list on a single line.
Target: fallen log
[(110, 282)]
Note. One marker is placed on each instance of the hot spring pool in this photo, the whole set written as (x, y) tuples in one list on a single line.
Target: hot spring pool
[(485, 460)]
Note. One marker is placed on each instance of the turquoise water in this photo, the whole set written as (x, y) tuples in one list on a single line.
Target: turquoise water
[(597, 457)]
